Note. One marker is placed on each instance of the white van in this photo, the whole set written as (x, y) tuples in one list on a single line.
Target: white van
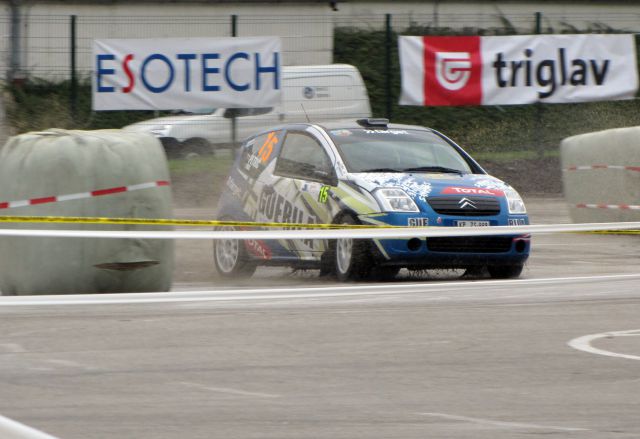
[(316, 93)]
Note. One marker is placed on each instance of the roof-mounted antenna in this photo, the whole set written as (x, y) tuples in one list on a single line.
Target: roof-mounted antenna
[(371, 122), (305, 112)]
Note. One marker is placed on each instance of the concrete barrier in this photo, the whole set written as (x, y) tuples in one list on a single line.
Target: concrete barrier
[(601, 175), (106, 173)]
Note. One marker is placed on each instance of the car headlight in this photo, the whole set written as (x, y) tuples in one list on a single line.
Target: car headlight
[(395, 200), (514, 201), (160, 130)]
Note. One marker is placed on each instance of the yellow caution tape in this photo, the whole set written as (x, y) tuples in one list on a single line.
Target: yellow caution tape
[(218, 223), (177, 222)]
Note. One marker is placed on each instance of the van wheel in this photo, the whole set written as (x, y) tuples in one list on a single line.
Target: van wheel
[(197, 145), (351, 257), (505, 271), (172, 147), (231, 258)]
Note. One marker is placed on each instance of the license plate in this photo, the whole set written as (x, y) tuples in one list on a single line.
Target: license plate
[(471, 223)]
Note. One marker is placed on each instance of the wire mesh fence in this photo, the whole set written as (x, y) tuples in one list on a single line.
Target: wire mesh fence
[(52, 49)]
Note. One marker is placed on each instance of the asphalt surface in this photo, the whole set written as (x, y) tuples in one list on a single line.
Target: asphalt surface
[(555, 353)]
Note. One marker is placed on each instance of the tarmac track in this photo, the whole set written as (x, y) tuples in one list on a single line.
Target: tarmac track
[(555, 353)]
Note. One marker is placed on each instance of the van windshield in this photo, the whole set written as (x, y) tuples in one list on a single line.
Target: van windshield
[(205, 110), (394, 150), (241, 112)]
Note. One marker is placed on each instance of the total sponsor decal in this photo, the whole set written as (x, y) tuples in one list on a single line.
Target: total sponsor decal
[(455, 190), (522, 69), (258, 248)]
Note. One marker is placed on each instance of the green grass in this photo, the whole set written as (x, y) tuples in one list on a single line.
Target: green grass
[(509, 156)]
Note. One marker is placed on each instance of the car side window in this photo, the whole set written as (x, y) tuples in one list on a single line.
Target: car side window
[(258, 152), (303, 157)]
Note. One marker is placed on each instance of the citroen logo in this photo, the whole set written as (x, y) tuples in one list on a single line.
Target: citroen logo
[(466, 203)]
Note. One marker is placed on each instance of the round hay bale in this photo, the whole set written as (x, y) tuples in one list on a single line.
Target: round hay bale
[(56, 163)]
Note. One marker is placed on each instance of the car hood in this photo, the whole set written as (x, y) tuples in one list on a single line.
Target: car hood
[(419, 186)]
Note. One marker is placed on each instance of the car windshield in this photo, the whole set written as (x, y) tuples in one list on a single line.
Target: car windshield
[(397, 150)]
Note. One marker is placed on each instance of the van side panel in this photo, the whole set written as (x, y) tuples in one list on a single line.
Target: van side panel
[(325, 94)]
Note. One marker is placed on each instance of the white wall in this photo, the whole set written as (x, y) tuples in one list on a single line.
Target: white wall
[(306, 28), (307, 36)]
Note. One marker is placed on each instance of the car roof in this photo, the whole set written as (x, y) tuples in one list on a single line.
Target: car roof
[(348, 124)]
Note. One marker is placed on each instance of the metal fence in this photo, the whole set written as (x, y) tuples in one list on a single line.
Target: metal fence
[(57, 49)]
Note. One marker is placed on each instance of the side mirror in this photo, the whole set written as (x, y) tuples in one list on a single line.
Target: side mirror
[(328, 178)]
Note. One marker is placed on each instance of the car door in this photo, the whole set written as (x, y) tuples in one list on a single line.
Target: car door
[(305, 171)]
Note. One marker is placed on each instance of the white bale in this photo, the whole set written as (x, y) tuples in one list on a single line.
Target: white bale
[(607, 184), (59, 162)]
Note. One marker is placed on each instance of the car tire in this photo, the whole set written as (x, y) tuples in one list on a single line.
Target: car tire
[(351, 257), (197, 145), (384, 274), (231, 259), (505, 271)]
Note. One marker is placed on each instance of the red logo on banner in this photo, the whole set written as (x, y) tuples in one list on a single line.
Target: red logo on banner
[(452, 71), (472, 191)]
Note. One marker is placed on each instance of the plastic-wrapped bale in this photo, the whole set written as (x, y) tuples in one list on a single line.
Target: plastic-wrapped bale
[(105, 173), (601, 175)]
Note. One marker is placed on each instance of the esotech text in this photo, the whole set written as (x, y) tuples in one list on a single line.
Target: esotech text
[(157, 72), (186, 73)]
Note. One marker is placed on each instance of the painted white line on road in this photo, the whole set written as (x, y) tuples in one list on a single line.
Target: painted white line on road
[(584, 343), (228, 390), (301, 292), (10, 429), (502, 424)]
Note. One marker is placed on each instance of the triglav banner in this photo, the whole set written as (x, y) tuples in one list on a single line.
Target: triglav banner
[(519, 69)]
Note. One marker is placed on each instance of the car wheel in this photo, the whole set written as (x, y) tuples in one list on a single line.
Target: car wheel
[(352, 257), (231, 258), (505, 271), (197, 145)]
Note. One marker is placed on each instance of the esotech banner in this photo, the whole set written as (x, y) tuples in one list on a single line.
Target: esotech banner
[(186, 73), (519, 69)]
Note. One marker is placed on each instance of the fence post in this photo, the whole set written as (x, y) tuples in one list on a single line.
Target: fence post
[(387, 62), (73, 92), (14, 66), (234, 122), (539, 122)]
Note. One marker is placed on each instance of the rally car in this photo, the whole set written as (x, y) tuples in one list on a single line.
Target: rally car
[(367, 172)]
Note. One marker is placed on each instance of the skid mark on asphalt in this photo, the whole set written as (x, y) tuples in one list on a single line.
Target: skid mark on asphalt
[(584, 343), (12, 348), (501, 424), (228, 390), (306, 292)]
